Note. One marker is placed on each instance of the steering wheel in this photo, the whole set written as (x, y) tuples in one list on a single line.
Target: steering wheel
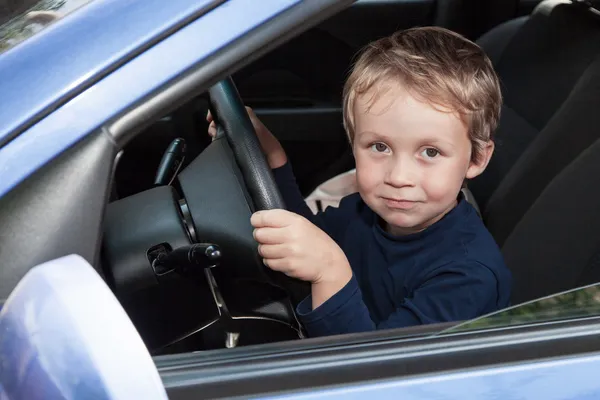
[(230, 114), (220, 189)]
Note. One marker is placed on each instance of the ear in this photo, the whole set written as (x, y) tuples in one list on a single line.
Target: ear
[(476, 168)]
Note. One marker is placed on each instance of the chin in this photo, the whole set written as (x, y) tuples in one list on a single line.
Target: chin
[(402, 221)]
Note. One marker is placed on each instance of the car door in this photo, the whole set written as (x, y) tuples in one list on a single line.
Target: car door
[(544, 349)]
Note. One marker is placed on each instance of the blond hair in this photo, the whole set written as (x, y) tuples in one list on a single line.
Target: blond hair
[(440, 66)]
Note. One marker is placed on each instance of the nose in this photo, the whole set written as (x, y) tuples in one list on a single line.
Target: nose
[(400, 172)]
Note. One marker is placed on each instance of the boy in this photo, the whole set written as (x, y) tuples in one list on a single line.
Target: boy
[(407, 249)]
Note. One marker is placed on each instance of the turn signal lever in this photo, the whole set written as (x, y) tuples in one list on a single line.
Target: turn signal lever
[(187, 259), (170, 163)]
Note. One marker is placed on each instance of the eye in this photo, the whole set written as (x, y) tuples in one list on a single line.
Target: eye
[(430, 152), (380, 148)]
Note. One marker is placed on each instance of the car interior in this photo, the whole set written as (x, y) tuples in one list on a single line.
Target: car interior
[(532, 196), (177, 246)]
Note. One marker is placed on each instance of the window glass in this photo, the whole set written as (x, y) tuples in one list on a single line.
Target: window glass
[(576, 303), (32, 19)]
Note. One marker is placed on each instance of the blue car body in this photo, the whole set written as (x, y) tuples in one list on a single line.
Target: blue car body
[(83, 54), (93, 65)]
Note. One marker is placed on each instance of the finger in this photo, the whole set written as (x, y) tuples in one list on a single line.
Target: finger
[(269, 235), (273, 218), (212, 129), (272, 251), (209, 117), (278, 264)]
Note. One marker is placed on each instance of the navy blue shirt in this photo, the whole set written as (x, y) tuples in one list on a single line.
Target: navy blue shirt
[(451, 271)]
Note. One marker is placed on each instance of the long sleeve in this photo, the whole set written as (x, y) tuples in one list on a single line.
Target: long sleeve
[(455, 293), (286, 182), (332, 220)]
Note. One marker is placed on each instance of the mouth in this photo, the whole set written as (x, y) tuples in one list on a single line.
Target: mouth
[(399, 204)]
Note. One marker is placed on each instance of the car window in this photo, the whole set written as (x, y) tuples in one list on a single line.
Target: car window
[(29, 17), (577, 303)]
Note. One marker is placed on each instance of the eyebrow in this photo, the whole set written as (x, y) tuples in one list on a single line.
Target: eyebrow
[(422, 141), (438, 142), (372, 133)]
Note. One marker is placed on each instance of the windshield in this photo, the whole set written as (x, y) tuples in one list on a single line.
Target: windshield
[(27, 18), (572, 304)]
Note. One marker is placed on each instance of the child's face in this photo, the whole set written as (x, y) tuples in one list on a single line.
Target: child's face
[(411, 159)]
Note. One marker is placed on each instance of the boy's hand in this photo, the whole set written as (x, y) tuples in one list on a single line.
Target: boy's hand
[(271, 147), (291, 244)]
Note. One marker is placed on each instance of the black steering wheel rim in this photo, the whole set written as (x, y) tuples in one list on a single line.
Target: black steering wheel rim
[(230, 113)]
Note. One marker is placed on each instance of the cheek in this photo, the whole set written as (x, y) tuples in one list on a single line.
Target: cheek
[(368, 174), (444, 182)]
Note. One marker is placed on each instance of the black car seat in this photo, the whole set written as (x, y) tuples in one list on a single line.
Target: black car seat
[(549, 68), (556, 245)]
